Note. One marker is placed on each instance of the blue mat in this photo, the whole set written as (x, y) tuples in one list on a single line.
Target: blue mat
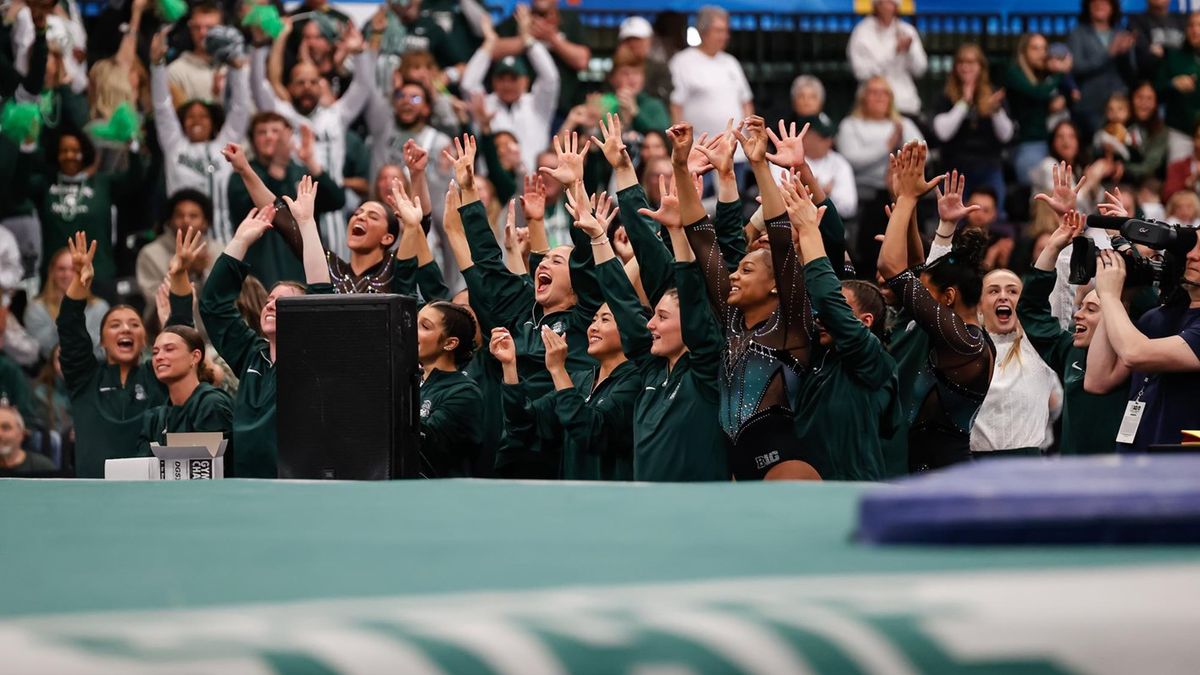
[(1127, 499)]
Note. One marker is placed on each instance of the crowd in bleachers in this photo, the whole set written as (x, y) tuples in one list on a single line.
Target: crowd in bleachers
[(634, 279)]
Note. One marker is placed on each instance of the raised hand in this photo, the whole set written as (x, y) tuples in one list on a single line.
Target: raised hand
[(255, 225), (451, 221), (910, 167), (236, 157), (580, 208), (533, 201), (789, 145), (612, 146), (1064, 191), (1112, 204), (479, 112), (306, 152), (570, 159), (1071, 225), (1110, 274), (681, 143), (416, 158), (158, 47), (502, 347), (667, 213), (407, 209), (516, 239), (753, 137), (556, 349), (719, 150), (463, 160), (303, 207), (190, 246), (950, 205), (801, 210), (352, 39), (82, 255), (604, 209)]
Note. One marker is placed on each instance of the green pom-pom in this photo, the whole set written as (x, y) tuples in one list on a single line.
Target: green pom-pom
[(21, 122), (172, 10), (122, 127), (267, 18)]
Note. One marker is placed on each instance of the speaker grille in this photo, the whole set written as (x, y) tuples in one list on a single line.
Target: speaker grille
[(345, 386)]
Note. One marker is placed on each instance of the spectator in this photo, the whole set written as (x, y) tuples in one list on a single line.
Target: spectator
[(13, 458), (51, 400), (1176, 85), (303, 108), (1065, 148), (639, 110), (1161, 353), (1183, 208), (72, 194), (1032, 83), (874, 130), (1114, 138), (1147, 136), (70, 43), (984, 216), (121, 78), (883, 45), (515, 106), (193, 76), (973, 125), (191, 139), (407, 119), (42, 312), (560, 33), (190, 211), (709, 85), (401, 27), (1097, 46), (319, 46), (807, 96), (636, 36), (420, 67), (1184, 174), (1156, 31), (831, 169)]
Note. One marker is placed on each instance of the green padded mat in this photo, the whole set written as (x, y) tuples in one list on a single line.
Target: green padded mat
[(82, 546)]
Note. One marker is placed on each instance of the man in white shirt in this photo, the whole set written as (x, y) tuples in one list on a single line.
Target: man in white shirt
[(830, 168), (882, 44), (191, 75), (525, 112), (709, 84)]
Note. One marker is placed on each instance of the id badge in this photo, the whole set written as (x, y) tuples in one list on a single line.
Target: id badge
[(1130, 422)]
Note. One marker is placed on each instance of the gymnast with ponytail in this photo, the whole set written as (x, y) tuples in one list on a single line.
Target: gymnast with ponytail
[(943, 299), (177, 360)]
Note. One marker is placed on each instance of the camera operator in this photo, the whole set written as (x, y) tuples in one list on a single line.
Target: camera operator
[(1161, 355)]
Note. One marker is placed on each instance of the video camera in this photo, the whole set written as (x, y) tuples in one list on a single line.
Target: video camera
[(1174, 241)]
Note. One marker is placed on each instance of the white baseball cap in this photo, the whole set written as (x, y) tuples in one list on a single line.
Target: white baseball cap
[(634, 27)]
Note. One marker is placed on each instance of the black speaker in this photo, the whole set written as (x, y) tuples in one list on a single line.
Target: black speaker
[(348, 387)]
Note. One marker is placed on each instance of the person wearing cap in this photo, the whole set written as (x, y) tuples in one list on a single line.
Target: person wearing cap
[(710, 87), (881, 44), (191, 76), (562, 35), (636, 35), (638, 109), (527, 112)]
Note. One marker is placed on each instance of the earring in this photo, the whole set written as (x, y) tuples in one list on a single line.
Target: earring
[(774, 291)]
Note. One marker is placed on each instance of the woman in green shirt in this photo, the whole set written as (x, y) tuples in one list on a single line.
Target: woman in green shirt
[(590, 412), (193, 404), (1031, 87), (108, 397)]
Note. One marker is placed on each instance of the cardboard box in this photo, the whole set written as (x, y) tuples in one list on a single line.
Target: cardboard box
[(194, 456)]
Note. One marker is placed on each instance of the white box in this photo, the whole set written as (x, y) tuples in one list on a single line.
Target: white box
[(193, 456)]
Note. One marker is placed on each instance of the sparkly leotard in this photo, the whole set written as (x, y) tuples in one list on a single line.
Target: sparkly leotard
[(952, 382), (763, 364)]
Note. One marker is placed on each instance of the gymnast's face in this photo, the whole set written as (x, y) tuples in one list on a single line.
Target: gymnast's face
[(603, 337), (665, 330), (123, 336), (750, 285)]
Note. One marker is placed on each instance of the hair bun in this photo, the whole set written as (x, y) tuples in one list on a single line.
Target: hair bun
[(969, 247)]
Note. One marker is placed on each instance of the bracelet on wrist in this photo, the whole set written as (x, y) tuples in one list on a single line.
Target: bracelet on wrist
[(600, 241)]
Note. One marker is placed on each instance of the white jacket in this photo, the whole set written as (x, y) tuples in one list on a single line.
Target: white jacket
[(872, 51)]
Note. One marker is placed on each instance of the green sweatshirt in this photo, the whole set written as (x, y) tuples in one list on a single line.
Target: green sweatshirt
[(676, 436), (1029, 102), (850, 402), (1182, 108), (652, 114), (249, 355), (107, 413), (270, 259), (502, 298), (594, 430), (1089, 421), (909, 348), (450, 427), (84, 202), (207, 409)]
